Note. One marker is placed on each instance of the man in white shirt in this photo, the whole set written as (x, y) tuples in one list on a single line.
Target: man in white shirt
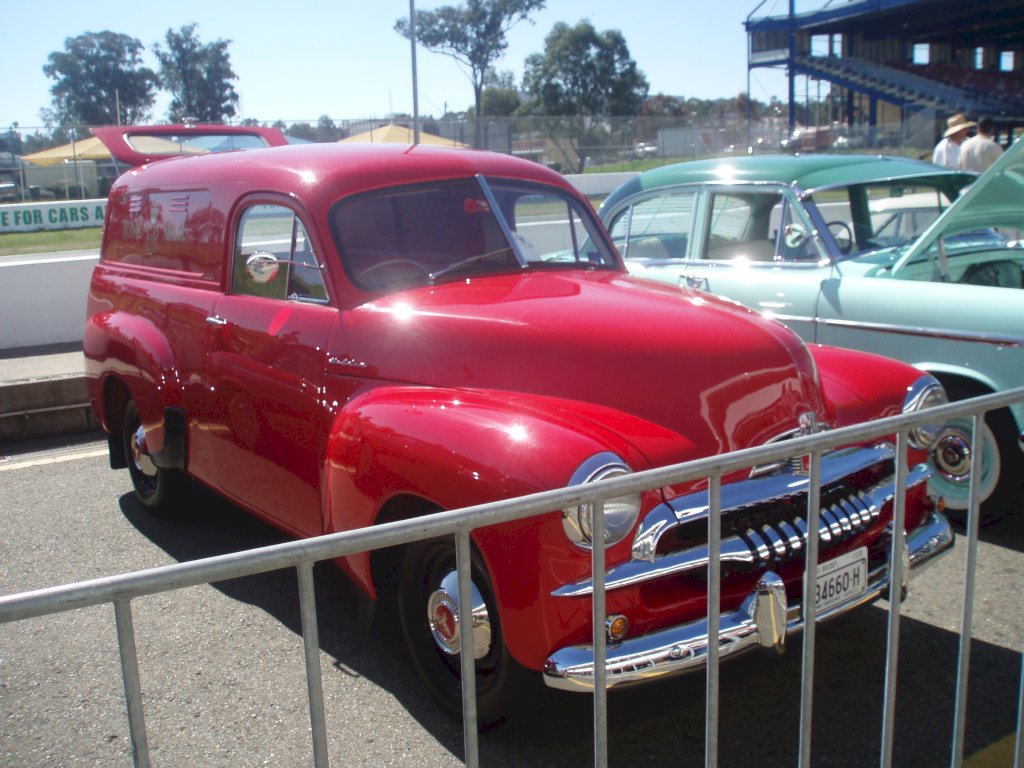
[(980, 151), (947, 151)]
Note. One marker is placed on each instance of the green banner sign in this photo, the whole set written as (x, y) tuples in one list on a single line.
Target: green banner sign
[(68, 214)]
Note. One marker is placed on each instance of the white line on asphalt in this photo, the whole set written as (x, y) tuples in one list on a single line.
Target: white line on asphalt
[(7, 463)]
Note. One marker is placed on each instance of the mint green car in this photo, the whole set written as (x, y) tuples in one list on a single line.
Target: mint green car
[(889, 255)]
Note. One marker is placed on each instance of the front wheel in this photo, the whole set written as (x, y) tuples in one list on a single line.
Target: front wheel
[(157, 489), (428, 600), (1002, 463)]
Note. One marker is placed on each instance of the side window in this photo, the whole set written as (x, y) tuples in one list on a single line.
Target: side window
[(274, 257), (741, 226), (546, 227), (658, 228)]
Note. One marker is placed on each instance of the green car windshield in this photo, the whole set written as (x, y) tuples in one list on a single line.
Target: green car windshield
[(864, 218)]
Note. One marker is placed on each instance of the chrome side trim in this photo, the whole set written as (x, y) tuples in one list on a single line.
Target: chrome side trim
[(945, 334), (754, 624)]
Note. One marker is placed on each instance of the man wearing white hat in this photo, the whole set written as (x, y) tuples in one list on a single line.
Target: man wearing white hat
[(947, 151), (981, 150)]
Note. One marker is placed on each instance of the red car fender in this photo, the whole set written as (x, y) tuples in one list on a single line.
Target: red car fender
[(145, 362), (397, 441), (862, 386)]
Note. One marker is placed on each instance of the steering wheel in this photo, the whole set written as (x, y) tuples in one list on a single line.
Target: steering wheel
[(842, 234)]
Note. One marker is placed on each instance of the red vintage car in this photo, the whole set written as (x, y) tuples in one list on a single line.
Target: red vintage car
[(337, 336)]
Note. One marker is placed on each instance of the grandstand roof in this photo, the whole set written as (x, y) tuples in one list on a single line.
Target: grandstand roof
[(997, 23)]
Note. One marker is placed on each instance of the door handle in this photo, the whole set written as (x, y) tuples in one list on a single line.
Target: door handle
[(216, 320), (698, 283)]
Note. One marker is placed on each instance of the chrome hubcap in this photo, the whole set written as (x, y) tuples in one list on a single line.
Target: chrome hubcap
[(140, 455), (952, 456), (443, 618)]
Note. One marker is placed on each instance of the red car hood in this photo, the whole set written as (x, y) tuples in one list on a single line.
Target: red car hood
[(720, 375)]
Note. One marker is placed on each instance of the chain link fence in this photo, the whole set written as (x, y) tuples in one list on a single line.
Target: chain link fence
[(567, 144)]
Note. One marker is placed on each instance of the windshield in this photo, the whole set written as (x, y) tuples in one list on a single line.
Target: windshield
[(420, 235), (869, 217)]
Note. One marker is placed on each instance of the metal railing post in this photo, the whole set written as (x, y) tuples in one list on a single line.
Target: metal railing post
[(896, 572), (600, 646), (714, 619), (314, 678), (967, 619), (467, 659), (132, 684), (1018, 751), (810, 609)]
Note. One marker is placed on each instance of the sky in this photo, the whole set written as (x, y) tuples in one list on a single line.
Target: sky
[(299, 59)]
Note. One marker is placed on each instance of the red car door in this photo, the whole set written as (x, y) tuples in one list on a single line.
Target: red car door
[(265, 417)]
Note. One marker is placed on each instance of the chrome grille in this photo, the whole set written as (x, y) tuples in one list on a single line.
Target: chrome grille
[(764, 519)]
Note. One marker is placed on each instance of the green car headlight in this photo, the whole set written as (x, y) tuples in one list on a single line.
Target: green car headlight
[(620, 512)]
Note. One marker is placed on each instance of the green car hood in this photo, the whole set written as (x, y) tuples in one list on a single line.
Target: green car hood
[(996, 199)]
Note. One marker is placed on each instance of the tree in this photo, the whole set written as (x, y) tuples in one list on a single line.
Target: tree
[(100, 80), (500, 96), (473, 34), (582, 72), (581, 78), (658, 112), (326, 130), (303, 131), (747, 107), (661, 105), (198, 77)]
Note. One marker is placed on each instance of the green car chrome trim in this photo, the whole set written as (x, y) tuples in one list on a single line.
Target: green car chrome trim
[(948, 334)]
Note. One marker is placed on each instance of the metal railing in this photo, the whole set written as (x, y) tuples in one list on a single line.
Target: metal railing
[(122, 589)]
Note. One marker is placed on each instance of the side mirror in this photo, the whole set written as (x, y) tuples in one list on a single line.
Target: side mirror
[(794, 235), (262, 267)]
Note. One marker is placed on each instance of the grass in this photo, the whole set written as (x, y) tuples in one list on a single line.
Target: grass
[(20, 243)]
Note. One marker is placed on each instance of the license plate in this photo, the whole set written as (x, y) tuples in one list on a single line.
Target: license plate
[(841, 579)]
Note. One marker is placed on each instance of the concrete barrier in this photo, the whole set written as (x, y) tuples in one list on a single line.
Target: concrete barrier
[(44, 299), (591, 184)]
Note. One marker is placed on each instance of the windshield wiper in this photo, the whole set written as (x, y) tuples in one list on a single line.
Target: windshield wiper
[(468, 261)]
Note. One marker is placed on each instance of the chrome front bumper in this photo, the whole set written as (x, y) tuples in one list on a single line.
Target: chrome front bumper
[(756, 623)]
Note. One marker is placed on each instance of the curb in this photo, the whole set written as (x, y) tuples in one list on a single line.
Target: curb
[(39, 408)]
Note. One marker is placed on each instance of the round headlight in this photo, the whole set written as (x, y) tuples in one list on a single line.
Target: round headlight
[(620, 512), (926, 392)]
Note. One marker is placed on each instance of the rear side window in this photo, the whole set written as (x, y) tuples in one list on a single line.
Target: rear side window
[(755, 226), (656, 228), (274, 257)]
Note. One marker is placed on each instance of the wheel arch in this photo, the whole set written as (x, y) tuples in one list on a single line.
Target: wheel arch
[(144, 369), (402, 452), (114, 398), (957, 379)]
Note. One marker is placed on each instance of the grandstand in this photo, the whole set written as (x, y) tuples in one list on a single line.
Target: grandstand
[(894, 61)]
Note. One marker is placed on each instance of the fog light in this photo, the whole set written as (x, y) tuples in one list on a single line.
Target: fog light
[(616, 626)]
